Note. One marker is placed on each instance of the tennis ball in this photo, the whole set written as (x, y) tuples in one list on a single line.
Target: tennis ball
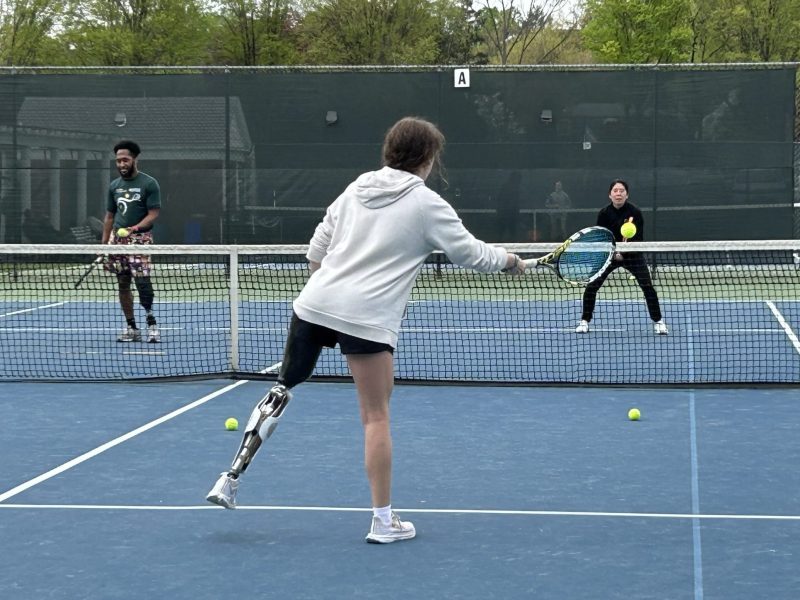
[(122, 232), (231, 424), (634, 414), (628, 230)]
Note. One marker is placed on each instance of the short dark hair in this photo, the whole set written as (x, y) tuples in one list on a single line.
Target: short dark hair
[(128, 145), (615, 182), (411, 143)]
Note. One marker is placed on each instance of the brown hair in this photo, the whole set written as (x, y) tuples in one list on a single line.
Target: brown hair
[(411, 143)]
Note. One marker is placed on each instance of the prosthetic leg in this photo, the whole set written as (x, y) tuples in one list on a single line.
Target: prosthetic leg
[(299, 359), (262, 422), (146, 297)]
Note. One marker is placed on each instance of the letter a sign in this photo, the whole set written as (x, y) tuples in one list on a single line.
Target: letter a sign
[(461, 78)]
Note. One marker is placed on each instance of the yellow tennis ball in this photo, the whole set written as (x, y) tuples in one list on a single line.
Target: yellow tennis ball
[(628, 230), (634, 414), (122, 232), (231, 424)]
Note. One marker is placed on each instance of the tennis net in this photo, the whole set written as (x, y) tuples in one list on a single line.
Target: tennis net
[(732, 309)]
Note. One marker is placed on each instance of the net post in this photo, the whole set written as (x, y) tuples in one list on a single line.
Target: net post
[(233, 298)]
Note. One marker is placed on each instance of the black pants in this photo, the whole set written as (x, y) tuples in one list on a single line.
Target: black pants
[(636, 264)]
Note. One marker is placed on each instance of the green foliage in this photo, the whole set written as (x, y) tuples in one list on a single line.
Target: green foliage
[(753, 30), (392, 32), (25, 31), (255, 32), (136, 32), (556, 46), (458, 33), (527, 31), (638, 31), (379, 32)]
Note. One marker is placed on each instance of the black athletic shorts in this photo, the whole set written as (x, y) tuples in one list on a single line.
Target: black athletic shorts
[(325, 336)]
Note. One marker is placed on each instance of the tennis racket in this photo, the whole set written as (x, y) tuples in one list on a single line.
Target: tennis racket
[(581, 258), (97, 261)]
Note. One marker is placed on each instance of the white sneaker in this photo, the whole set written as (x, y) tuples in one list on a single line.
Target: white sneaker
[(129, 334), (153, 334), (583, 327), (660, 328), (386, 534), (224, 491)]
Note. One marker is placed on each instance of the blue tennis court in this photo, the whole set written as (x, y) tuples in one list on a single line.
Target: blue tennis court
[(513, 340), (515, 492)]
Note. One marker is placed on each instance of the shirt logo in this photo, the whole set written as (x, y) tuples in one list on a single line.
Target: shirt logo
[(124, 200)]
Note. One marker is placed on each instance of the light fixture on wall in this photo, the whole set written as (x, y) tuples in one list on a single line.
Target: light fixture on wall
[(120, 120), (331, 117), (546, 116)]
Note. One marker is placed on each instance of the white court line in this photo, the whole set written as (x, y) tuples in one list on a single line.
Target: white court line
[(504, 330), (448, 511), (115, 442), (791, 334), (261, 329), (72, 329), (431, 330), (107, 329), (26, 310), (578, 301)]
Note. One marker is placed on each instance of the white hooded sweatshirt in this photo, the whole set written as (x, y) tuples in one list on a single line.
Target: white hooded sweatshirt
[(371, 244)]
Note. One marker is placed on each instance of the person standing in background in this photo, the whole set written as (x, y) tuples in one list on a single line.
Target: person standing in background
[(133, 203), (507, 207), (617, 212), (558, 203)]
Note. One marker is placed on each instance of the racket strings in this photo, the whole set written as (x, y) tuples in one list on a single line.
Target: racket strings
[(588, 254)]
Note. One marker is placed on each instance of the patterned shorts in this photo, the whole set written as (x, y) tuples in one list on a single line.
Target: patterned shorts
[(138, 265)]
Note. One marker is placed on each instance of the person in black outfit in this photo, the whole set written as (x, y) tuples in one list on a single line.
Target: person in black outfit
[(508, 215), (612, 217)]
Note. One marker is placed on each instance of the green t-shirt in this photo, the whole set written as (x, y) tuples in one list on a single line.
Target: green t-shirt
[(130, 199)]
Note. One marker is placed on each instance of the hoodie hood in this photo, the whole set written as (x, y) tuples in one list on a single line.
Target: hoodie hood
[(377, 189)]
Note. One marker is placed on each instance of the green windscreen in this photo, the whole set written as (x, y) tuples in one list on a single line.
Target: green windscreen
[(255, 156)]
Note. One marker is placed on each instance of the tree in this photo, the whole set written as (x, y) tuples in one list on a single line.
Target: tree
[(557, 46), (257, 32), (26, 28), (459, 35), (748, 30), (137, 32), (638, 31), (379, 32), (510, 28)]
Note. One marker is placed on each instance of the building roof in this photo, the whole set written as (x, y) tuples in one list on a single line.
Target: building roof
[(165, 127)]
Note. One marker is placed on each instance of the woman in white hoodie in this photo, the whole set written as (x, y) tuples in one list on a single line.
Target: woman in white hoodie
[(364, 258)]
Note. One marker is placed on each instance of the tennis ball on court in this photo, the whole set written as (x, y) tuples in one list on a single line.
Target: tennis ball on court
[(231, 424), (628, 230), (122, 232), (634, 414)]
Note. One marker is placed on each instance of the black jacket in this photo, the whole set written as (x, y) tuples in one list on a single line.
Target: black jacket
[(612, 219)]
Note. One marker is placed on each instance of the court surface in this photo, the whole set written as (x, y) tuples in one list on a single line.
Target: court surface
[(516, 492)]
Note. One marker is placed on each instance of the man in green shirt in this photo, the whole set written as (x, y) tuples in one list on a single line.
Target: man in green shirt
[(132, 204)]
